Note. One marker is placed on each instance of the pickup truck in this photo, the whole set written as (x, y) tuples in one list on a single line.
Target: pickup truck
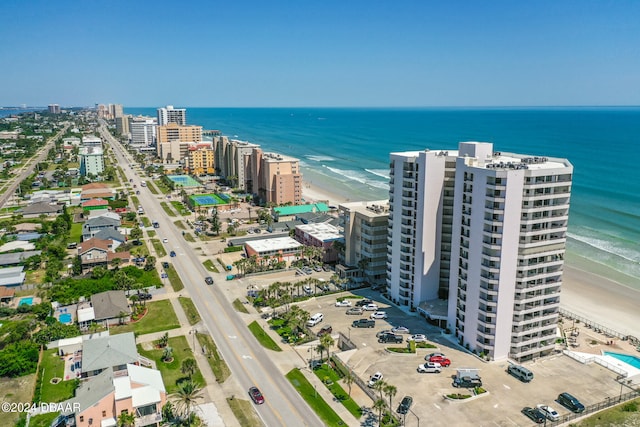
[(391, 338), (363, 323)]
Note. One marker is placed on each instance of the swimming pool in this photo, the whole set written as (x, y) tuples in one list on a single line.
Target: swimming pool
[(26, 301), (626, 358), (65, 318)]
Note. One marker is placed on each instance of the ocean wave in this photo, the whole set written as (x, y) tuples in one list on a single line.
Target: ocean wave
[(383, 173), (358, 177), (319, 158), (608, 247)]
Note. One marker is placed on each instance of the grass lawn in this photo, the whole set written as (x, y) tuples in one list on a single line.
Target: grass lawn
[(152, 233), (620, 415), (15, 390), (167, 209), (244, 412), (189, 238), (308, 393), (262, 337), (174, 279), (171, 371), (239, 306), (157, 245), (42, 420), (208, 264), (162, 186), (325, 372), (217, 364), (76, 232), (178, 206), (160, 317), (179, 224), (53, 367), (145, 221), (135, 201), (152, 188), (190, 310)]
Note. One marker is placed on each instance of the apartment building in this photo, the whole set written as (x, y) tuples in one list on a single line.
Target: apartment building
[(506, 215), (91, 160), (200, 159), (234, 161), (142, 130), (169, 114), (173, 141), (365, 229), (278, 179)]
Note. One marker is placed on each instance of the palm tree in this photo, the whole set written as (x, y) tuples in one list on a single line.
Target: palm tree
[(187, 395), (167, 354), (164, 340), (390, 390), (125, 419), (379, 387), (189, 367), (379, 405), (327, 342), (349, 380)]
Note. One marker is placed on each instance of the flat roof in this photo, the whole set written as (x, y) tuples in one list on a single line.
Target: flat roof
[(321, 231), (292, 210), (275, 244)]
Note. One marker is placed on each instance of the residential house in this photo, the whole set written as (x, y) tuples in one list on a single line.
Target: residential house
[(12, 276), (111, 307), (100, 252), (6, 295), (16, 258), (34, 210), (94, 225), (94, 204)]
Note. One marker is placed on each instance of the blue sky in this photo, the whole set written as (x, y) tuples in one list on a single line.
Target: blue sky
[(320, 53)]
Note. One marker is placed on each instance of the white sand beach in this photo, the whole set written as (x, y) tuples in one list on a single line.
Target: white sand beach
[(593, 297)]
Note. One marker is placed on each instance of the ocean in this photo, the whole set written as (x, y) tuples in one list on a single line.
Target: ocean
[(347, 151)]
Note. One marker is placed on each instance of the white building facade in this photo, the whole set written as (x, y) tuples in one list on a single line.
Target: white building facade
[(91, 160), (169, 114), (496, 223), (143, 130)]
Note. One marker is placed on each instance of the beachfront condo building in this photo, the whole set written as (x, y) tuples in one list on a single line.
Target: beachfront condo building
[(233, 161), (169, 114), (173, 141), (122, 124), (54, 109), (91, 160), (493, 225), (363, 258), (277, 178), (143, 131), (200, 159)]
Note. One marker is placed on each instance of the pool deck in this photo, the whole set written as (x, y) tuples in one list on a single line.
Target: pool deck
[(16, 301)]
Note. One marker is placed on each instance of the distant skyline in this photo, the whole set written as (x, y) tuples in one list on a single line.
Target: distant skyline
[(320, 54)]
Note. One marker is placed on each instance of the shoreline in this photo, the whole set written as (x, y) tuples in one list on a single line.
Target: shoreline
[(600, 299)]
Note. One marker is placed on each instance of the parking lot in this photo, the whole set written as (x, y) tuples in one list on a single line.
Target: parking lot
[(506, 395)]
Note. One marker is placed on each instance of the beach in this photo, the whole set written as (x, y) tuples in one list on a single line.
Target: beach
[(597, 298)]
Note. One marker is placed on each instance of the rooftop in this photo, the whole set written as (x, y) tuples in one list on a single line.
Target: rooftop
[(276, 244), (293, 210), (321, 231)]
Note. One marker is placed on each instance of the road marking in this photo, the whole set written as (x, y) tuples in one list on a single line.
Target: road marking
[(436, 405), (246, 356), (506, 386), (233, 337)]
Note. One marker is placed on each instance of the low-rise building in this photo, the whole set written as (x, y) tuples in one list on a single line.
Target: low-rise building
[(283, 248), (98, 252), (34, 210), (320, 235), (111, 308), (12, 276)]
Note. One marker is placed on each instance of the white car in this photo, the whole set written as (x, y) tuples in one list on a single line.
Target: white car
[(343, 303), (418, 338), (430, 367), (375, 378), (370, 307), (549, 412), (165, 240), (400, 330), (378, 315), (307, 289)]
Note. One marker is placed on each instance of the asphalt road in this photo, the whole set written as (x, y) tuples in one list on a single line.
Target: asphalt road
[(246, 358)]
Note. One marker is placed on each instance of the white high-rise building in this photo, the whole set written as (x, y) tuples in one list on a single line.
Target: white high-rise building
[(488, 230), (169, 114), (143, 130)]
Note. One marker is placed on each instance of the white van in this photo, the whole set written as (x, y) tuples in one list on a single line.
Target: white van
[(520, 372), (315, 319)]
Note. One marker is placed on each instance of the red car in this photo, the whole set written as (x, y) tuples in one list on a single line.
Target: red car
[(443, 361), (256, 396)]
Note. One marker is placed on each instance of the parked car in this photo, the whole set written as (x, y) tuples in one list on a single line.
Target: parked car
[(326, 329), (533, 413), (355, 310), (315, 319), (404, 405), (165, 240), (343, 303), (378, 315), (390, 338), (144, 296), (383, 332), (437, 353), (172, 254), (430, 367), (256, 396), (400, 330), (467, 382), (418, 338), (370, 307), (549, 412), (363, 302), (165, 264), (307, 289), (443, 361), (520, 372), (363, 323), (375, 378), (570, 402), (208, 280), (317, 268)]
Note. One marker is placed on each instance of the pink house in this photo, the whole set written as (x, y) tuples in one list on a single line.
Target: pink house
[(321, 235), (135, 390)]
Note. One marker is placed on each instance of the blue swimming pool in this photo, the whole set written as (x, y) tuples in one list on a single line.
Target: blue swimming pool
[(26, 301), (65, 318), (626, 358)]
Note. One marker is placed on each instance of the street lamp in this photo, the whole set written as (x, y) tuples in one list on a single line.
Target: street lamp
[(349, 328), (414, 414)]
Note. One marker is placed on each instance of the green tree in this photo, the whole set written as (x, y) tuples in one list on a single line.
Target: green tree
[(349, 380), (379, 405), (136, 233), (126, 419), (187, 396), (189, 367), (167, 354), (390, 390)]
